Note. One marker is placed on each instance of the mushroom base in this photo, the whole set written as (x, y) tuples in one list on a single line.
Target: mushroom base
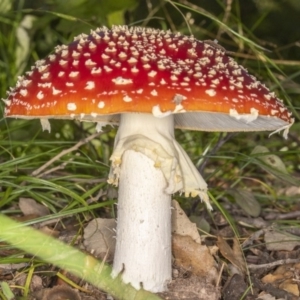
[(143, 248)]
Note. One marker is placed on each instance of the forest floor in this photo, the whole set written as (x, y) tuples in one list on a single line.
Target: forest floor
[(263, 263)]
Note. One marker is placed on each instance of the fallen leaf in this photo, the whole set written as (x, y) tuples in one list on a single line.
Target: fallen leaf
[(271, 278), (276, 241), (290, 287), (99, 238), (57, 293), (265, 296), (234, 255), (29, 206), (194, 257), (182, 225)]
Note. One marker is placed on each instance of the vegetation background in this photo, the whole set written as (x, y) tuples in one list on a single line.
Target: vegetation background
[(263, 36)]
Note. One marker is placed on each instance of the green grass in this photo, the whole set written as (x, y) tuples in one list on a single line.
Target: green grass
[(75, 183)]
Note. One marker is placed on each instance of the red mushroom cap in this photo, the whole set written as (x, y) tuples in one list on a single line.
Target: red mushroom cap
[(146, 70)]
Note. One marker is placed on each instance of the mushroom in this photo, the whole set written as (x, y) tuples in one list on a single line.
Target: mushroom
[(148, 81)]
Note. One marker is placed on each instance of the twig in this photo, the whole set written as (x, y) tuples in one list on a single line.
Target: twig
[(286, 216), (220, 275), (64, 152), (274, 264), (60, 167)]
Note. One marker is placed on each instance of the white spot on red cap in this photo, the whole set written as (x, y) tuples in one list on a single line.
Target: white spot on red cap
[(63, 63), (75, 54), (174, 77), (45, 84), (90, 85), (90, 63), (92, 46), (40, 95), (43, 68), (27, 82), (64, 53), (45, 76), (55, 91), (153, 93), (132, 61), (152, 74), (52, 57), (247, 118), (71, 106), (163, 82), (105, 57), (146, 66), (96, 71), (211, 92), (134, 70), (122, 55), (23, 92), (73, 74), (122, 81), (7, 102), (107, 69), (127, 98), (101, 104)]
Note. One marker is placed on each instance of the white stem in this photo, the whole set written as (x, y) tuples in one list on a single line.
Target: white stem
[(143, 248), (149, 166)]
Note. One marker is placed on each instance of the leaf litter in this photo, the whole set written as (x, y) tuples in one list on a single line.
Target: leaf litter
[(265, 265)]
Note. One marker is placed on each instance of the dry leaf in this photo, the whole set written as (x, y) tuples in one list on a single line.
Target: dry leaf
[(99, 238), (276, 241), (235, 255), (194, 257), (290, 286), (271, 278), (29, 206), (57, 293), (290, 191), (265, 296), (182, 225)]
